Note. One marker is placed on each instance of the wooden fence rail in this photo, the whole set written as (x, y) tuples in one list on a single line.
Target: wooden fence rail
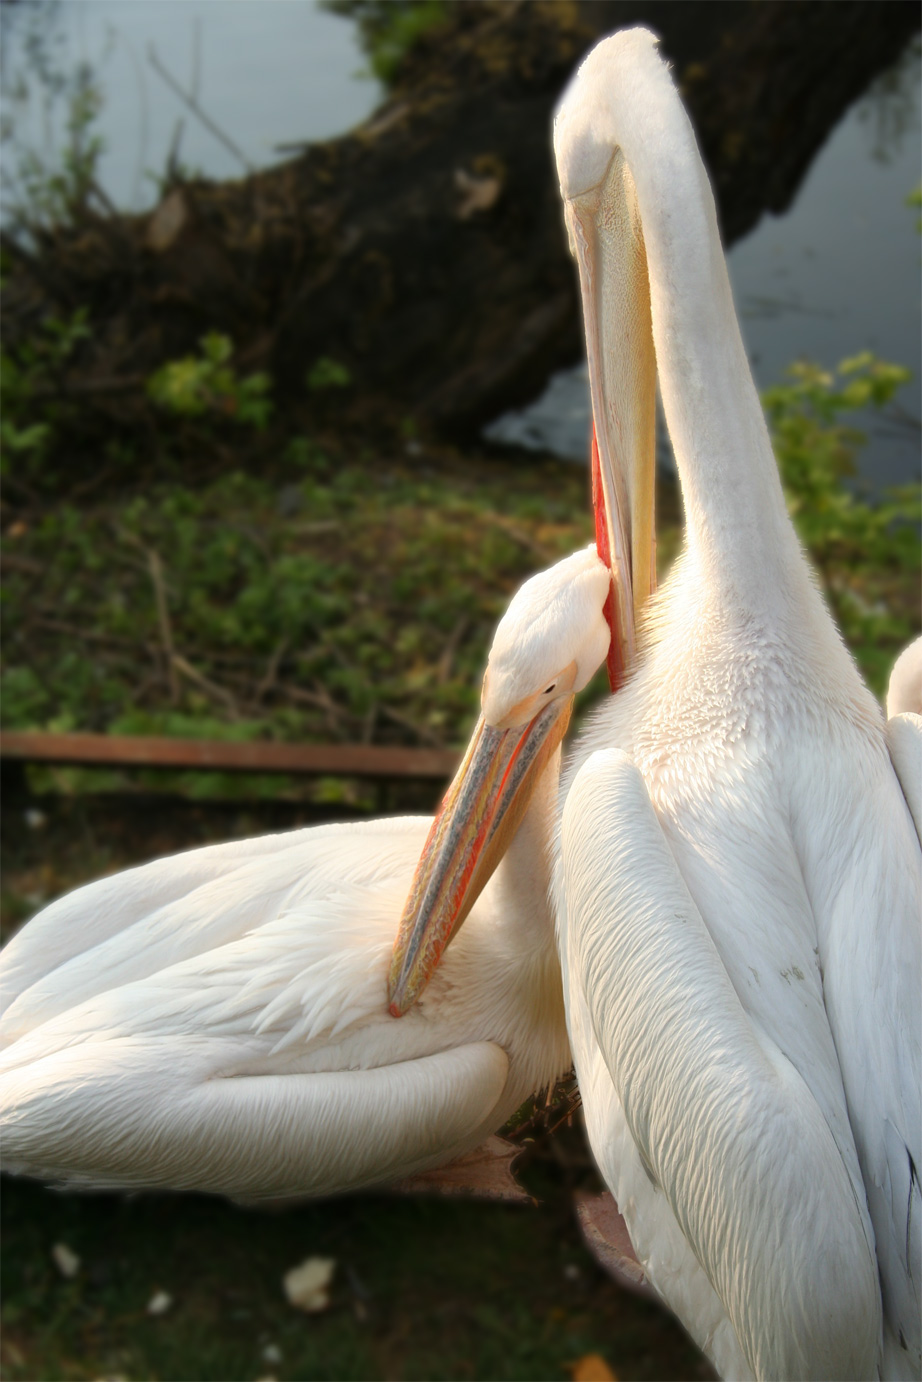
[(136, 751)]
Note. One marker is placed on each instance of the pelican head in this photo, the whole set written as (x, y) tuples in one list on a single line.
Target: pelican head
[(549, 643), (905, 689), (606, 238)]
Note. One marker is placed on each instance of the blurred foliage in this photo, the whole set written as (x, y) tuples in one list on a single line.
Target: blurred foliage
[(47, 185), (388, 29), (208, 384), (867, 551), (326, 373), (28, 384)]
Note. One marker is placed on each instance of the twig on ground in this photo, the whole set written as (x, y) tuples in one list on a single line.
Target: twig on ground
[(338, 719), (12, 561), (368, 724), (129, 383), (155, 571), (179, 664), (455, 638), (524, 539), (114, 640), (155, 567), (270, 677), (420, 731)]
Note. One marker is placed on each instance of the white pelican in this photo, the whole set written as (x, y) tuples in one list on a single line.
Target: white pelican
[(738, 882), (218, 1020), (904, 692), (739, 885)]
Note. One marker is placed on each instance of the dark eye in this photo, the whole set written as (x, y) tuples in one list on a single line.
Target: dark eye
[(549, 689)]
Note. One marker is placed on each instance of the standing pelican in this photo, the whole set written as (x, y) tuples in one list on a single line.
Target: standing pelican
[(218, 1020), (738, 877), (739, 882)]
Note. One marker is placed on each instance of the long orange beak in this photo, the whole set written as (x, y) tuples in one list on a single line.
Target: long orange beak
[(606, 240), (470, 834)]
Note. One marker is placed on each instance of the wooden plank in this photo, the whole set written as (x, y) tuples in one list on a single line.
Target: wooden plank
[(136, 751)]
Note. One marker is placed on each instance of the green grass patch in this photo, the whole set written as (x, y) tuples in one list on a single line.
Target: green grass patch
[(353, 597), (423, 1289)]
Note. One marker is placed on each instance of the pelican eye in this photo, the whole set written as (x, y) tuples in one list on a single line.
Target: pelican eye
[(549, 689)]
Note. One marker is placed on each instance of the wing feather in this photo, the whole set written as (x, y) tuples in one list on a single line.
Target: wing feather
[(722, 1120), (126, 928), (130, 1113)]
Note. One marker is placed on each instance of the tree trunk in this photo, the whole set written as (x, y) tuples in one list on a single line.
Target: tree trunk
[(424, 252)]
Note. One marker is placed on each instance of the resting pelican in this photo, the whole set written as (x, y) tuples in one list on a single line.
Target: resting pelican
[(217, 1021), (904, 727), (738, 880), (904, 692)]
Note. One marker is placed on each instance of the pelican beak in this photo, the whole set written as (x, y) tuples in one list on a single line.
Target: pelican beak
[(606, 239), (470, 834)]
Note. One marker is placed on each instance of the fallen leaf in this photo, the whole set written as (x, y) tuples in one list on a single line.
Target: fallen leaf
[(477, 194), (307, 1286), (66, 1260), (167, 221), (159, 1303), (592, 1367)]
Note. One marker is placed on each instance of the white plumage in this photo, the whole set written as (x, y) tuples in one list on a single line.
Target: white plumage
[(739, 877), (904, 692), (218, 1021)]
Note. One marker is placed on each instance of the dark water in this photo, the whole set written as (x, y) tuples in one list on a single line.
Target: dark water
[(839, 273)]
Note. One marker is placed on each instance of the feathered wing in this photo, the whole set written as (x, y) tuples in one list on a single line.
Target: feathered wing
[(723, 1125), (96, 912), (864, 863), (265, 1067), (130, 926), (124, 1113)]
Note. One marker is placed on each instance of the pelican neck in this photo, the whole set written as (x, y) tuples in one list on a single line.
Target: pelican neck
[(737, 523)]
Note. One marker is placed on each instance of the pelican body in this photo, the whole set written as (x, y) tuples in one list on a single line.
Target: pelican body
[(218, 1021), (738, 878)]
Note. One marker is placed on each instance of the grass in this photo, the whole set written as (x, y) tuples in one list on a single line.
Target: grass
[(423, 1289), (318, 607), (353, 597)]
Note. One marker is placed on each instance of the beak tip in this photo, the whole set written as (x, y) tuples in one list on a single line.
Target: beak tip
[(396, 1008)]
